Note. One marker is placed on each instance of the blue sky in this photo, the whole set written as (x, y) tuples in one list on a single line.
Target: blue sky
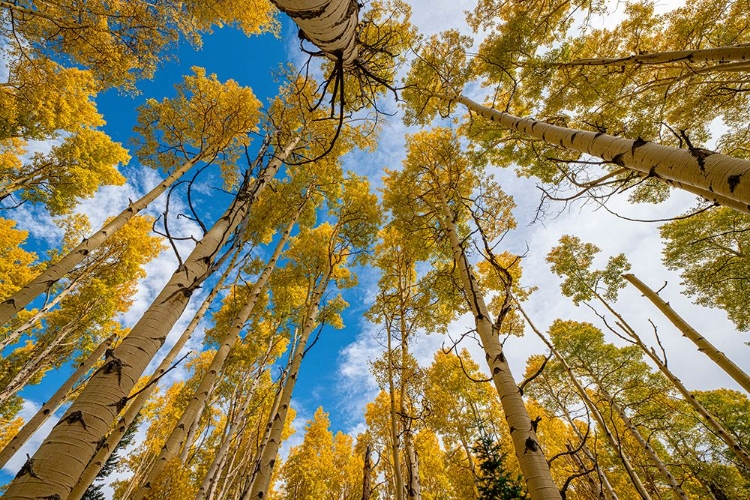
[(335, 373)]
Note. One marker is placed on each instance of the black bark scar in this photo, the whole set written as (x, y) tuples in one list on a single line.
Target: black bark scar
[(734, 181), (28, 468), (76, 416), (530, 445)]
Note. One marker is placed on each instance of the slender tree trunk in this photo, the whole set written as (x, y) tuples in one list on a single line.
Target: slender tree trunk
[(711, 197), (193, 427), (598, 417), (713, 424), (114, 437), (176, 440), (11, 337), (395, 454), (594, 488), (703, 169), (414, 488), (54, 402), (52, 274), (673, 484), (528, 450), (715, 55), (688, 331), (262, 481), (61, 459), (366, 471), (330, 24)]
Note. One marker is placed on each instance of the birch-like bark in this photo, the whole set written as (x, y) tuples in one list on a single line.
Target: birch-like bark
[(414, 488), (706, 170), (642, 442), (330, 24), (262, 481), (61, 459), (192, 413), (51, 275), (393, 428), (598, 417), (661, 364), (716, 55), (103, 453), (366, 471), (54, 402), (193, 426), (528, 450), (688, 331)]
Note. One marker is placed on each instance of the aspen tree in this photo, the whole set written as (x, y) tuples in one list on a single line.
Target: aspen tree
[(704, 346), (433, 186), (176, 440), (432, 90), (319, 255), (572, 259), (97, 406), (134, 407), (177, 134)]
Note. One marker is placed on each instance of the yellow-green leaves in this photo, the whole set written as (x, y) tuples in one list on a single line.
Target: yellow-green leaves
[(206, 120)]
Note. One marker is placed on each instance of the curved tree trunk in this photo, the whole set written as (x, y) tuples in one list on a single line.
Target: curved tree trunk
[(704, 346), (330, 24), (598, 417), (528, 450), (192, 413), (708, 171), (61, 459), (54, 402), (262, 481), (51, 275), (714, 55)]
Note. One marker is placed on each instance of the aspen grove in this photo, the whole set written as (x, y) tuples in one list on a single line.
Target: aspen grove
[(379, 249)]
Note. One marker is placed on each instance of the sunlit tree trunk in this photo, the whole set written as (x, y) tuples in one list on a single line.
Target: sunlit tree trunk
[(688, 331), (598, 417), (700, 168), (52, 274), (393, 421), (714, 55), (114, 437), (194, 409), (262, 480), (366, 472), (61, 459), (330, 24), (528, 450), (53, 403)]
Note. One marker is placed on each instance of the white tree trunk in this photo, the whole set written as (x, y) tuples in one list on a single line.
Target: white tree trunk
[(61, 459), (705, 170), (51, 275), (715, 55), (688, 331)]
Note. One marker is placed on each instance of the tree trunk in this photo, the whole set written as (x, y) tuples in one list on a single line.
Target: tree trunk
[(62, 458), (54, 402), (598, 417), (673, 484), (528, 450), (715, 55), (262, 481), (51, 275), (366, 471), (393, 428), (330, 24), (192, 413), (688, 331), (414, 488), (114, 437), (700, 168)]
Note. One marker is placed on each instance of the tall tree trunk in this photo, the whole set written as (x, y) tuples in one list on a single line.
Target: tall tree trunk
[(688, 331), (598, 417), (393, 420), (593, 488), (414, 488), (714, 55), (54, 402), (330, 24), (103, 453), (52, 274), (661, 364), (262, 480), (176, 439), (61, 459), (528, 450), (642, 442), (703, 169), (366, 471)]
